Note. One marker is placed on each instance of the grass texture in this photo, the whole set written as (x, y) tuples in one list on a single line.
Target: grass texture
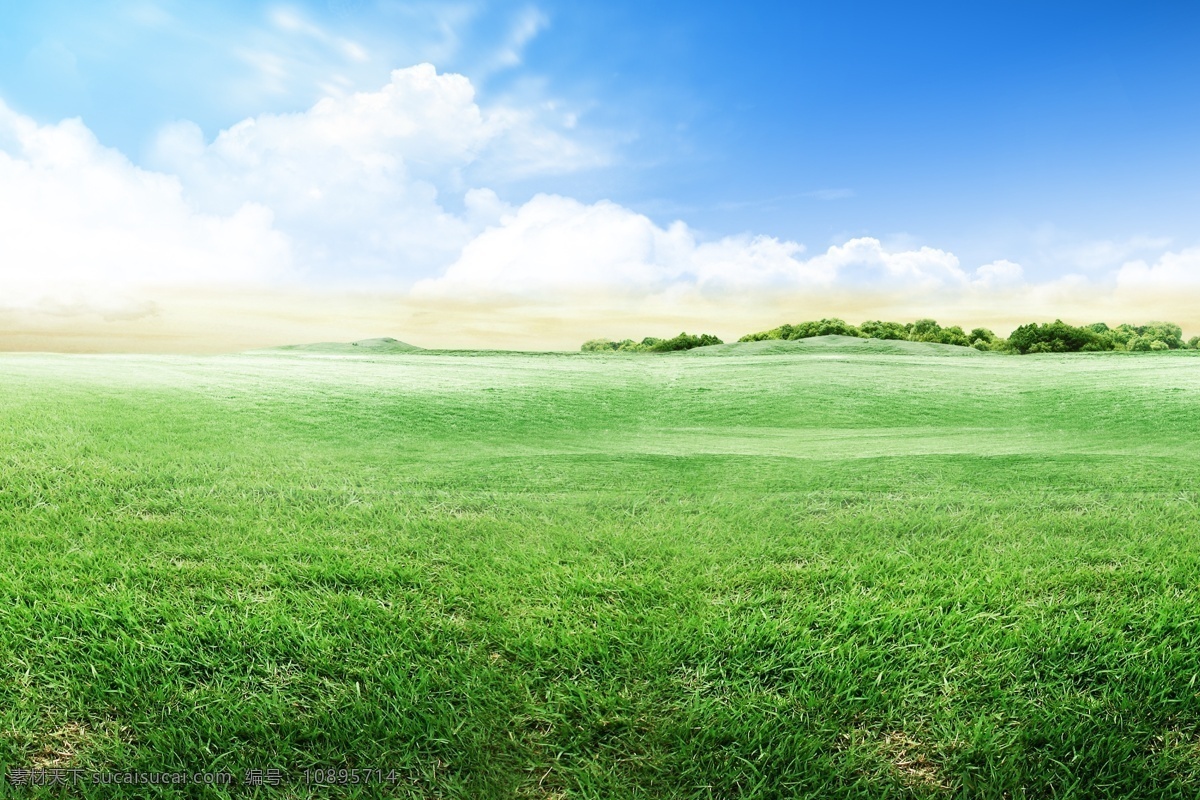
[(789, 570)]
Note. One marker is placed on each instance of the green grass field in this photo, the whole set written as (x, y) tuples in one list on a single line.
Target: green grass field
[(829, 568)]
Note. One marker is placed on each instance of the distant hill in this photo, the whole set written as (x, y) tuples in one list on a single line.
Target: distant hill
[(836, 344), (380, 346)]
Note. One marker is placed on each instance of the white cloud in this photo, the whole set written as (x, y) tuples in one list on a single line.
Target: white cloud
[(528, 24), (738, 263), (866, 262), (1059, 249), (363, 182), (557, 246), (999, 274), (1173, 271), (82, 228), (1105, 253)]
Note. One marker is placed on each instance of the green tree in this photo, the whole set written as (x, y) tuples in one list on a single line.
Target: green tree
[(683, 341), (984, 334), (1168, 333), (805, 330), (953, 335), (877, 329), (925, 330), (1121, 335), (1139, 343), (1054, 337)]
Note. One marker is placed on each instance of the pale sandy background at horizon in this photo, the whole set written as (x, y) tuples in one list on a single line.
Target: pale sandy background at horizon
[(206, 321)]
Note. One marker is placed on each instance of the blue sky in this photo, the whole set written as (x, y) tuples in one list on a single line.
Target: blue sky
[(1060, 137)]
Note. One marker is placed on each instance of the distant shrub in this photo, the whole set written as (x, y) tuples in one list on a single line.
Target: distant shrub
[(984, 334), (1051, 337), (761, 336), (623, 346), (876, 329), (987, 340), (1168, 333), (598, 346), (805, 330), (684, 341), (1055, 337), (1138, 343), (1128, 337), (1146, 342), (928, 330), (651, 344), (825, 327), (1058, 337), (955, 335), (924, 330)]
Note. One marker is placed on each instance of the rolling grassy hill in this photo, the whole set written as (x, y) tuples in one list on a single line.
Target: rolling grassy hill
[(837, 344), (382, 345), (806, 569)]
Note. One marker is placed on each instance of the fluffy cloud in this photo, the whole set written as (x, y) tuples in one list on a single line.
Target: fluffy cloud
[(999, 274), (865, 261), (384, 186), (558, 247), (555, 245), (1171, 272), (81, 228), (362, 182)]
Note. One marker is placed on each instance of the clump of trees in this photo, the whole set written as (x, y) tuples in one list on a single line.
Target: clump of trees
[(1047, 337), (805, 330), (923, 330), (651, 344), (1059, 337)]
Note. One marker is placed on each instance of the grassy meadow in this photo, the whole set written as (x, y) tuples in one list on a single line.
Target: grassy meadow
[(827, 568)]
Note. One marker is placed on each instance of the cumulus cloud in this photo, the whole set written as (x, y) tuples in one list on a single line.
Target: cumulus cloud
[(362, 183), (867, 261), (999, 274), (1172, 271), (81, 227), (557, 246)]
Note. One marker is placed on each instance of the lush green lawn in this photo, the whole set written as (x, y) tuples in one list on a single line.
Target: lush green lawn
[(830, 571)]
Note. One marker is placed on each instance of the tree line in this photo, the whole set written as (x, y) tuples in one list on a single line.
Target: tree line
[(1046, 337), (684, 341)]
